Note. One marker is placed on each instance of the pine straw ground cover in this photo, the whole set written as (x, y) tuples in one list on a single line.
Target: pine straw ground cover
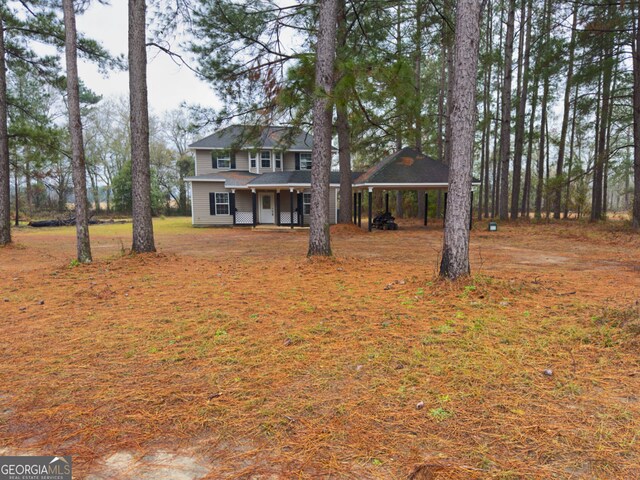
[(232, 346)]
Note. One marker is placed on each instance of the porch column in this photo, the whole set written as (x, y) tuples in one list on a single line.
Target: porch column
[(386, 202), (254, 205), (300, 210), (355, 208), (444, 214), (291, 206), (232, 204), (426, 208), (471, 212), (278, 207), (360, 209), (370, 205)]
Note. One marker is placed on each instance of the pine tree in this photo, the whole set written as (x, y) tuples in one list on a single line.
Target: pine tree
[(455, 251), (319, 236), (143, 240), (75, 130)]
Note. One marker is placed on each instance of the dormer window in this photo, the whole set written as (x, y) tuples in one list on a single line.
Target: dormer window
[(252, 159), (305, 161), (277, 157), (265, 159)]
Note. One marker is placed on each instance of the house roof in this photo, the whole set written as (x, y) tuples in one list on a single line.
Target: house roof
[(407, 166), (248, 136)]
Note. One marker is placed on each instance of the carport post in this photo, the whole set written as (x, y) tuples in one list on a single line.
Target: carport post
[(291, 206), (360, 209), (426, 208), (370, 205), (355, 208), (232, 204), (254, 205)]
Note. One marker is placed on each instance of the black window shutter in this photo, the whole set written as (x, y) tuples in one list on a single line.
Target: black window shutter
[(297, 160), (232, 203), (232, 155), (214, 159), (212, 203)]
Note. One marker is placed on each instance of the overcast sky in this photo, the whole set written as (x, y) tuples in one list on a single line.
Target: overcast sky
[(169, 84)]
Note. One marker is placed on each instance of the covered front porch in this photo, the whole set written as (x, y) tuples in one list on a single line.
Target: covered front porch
[(277, 207)]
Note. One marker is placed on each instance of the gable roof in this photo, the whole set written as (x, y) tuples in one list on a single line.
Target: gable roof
[(407, 166), (252, 136)]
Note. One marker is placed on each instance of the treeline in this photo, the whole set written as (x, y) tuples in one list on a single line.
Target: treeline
[(42, 177)]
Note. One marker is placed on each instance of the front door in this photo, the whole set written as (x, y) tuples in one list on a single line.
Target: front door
[(267, 214)]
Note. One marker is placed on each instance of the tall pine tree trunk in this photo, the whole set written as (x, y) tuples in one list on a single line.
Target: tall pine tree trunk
[(83, 244), (541, 147), (567, 196), (565, 115), (598, 167), (143, 240), (526, 189), (635, 43), (523, 69), (543, 118), (455, 251), (505, 129), (319, 235), (342, 127), (417, 83), (5, 188)]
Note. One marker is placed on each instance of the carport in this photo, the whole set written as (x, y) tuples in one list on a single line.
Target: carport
[(407, 169)]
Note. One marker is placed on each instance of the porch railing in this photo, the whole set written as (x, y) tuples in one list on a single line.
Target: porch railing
[(285, 218), (244, 218)]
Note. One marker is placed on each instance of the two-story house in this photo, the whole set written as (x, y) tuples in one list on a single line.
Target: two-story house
[(249, 177), (262, 175)]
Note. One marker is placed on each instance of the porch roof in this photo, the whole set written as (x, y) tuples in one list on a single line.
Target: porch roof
[(293, 178)]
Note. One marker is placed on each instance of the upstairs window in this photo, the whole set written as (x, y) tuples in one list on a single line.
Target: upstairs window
[(252, 159), (277, 157), (221, 160), (265, 159), (306, 203), (305, 161)]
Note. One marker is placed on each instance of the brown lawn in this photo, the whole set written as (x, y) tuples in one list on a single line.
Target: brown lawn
[(229, 346)]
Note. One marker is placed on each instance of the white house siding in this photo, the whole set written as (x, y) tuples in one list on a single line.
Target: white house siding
[(204, 163), (200, 204)]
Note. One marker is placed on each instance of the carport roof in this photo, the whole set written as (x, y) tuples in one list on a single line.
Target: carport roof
[(407, 168)]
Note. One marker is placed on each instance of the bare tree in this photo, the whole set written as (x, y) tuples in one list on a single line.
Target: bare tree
[(143, 240), (83, 244), (319, 237), (5, 207), (455, 251)]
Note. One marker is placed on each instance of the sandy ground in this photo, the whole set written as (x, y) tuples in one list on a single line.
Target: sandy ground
[(231, 355)]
